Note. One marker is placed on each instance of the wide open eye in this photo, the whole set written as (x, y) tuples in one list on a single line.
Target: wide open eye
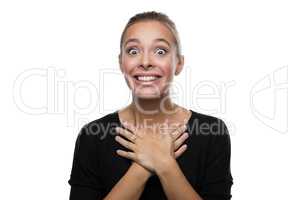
[(161, 51), (132, 51)]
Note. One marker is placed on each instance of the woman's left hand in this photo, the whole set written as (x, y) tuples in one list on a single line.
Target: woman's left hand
[(151, 149)]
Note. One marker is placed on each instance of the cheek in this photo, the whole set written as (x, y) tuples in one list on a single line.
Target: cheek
[(166, 67), (128, 65)]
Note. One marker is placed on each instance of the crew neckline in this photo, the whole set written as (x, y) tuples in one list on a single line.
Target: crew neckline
[(189, 121)]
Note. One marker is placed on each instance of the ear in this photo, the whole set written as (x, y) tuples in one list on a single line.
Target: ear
[(179, 65), (120, 62)]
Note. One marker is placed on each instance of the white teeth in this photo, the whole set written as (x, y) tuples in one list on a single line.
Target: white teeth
[(146, 78)]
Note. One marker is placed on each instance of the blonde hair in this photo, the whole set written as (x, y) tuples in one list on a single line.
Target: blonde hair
[(154, 16)]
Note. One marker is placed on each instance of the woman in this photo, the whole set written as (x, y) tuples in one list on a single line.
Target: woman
[(153, 148)]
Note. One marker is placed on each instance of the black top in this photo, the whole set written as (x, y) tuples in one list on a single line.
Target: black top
[(206, 162)]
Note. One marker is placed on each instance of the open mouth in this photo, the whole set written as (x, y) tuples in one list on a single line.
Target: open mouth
[(147, 78)]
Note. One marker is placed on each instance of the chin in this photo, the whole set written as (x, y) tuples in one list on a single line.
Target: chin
[(143, 95), (148, 93)]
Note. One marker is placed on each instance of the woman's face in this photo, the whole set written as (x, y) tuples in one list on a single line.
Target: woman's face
[(148, 59)]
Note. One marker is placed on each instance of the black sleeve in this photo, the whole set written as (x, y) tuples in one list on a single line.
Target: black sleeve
[(84, 180), (217, 181)]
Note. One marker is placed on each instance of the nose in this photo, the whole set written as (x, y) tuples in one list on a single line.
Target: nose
[(145, 62)]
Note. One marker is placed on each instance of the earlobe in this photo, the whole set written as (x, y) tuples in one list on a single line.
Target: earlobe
[(119, 59), (179, 65), (120, 62)]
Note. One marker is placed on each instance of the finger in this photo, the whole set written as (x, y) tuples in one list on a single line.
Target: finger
[(126, 154), (180, 140), (127, 134), (178, 131), (176, 135), (125, 143), (180, 151), (129, 127)]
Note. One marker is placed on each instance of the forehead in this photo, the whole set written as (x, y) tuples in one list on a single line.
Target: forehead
[(149, 31)]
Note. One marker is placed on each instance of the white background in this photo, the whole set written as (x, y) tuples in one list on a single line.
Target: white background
[(242, 56)]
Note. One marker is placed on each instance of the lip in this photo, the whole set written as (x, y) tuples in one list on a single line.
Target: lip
[(147, 74), (147, 82)]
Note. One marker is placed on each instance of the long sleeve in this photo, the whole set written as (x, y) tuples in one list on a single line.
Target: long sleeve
[(217, 181), (84, 180)]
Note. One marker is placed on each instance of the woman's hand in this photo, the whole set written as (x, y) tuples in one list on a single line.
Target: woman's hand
[(152, 149)]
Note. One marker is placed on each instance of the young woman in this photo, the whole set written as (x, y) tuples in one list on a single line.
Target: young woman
[(153, 148)]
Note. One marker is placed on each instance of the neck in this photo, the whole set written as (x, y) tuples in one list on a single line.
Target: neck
[(152, 111)]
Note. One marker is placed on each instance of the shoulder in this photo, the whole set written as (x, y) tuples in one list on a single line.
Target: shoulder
[(209, 132), (94, 132), (98, 127), (204, 124)]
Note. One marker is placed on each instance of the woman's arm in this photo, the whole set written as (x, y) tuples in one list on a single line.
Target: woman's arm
[(131, 185), (175, 185)]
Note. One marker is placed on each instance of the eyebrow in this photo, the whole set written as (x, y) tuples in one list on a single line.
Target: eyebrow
[(156, 40), (163, 40), (131, 40)]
